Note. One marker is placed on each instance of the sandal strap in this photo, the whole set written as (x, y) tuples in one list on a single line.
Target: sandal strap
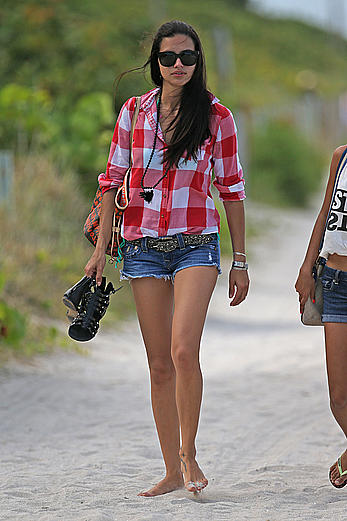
[(339, 466)]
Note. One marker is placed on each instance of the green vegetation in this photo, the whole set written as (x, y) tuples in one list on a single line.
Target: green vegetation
[(285, 165), (21, 337), (59, 61), (43, 252), (58, 64)]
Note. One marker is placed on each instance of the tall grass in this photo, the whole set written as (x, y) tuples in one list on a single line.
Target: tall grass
[(43, 250)]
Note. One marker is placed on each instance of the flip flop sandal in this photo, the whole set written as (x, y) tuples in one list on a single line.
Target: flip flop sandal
[(341, 472)]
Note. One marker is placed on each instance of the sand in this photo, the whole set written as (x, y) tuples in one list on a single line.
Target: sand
[(77, 439)]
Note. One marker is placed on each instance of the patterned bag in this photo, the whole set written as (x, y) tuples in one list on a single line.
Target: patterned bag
[(91, 226)]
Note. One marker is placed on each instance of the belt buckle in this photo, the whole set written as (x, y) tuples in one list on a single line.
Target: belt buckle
[(167, 244)]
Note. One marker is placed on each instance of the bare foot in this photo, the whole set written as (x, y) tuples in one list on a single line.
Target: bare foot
[(334, 473), (194, 479), (168, 484)]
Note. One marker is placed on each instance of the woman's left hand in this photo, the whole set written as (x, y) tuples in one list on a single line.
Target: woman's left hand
[(238, 286)]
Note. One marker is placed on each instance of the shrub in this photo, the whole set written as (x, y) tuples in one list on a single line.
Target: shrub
[(43, 250), (285, 167)]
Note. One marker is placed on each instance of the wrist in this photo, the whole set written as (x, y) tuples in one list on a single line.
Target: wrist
[(306, 269), (100, 248), (240, 254), (239, 265)]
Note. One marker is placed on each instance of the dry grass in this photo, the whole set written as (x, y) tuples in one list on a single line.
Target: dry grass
[(43, 250)]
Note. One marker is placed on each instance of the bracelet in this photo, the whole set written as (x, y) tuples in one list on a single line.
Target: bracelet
[(238, 265), (239, 253)]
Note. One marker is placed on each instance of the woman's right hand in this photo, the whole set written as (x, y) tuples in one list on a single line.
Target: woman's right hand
[(305, 286), (95, 266)]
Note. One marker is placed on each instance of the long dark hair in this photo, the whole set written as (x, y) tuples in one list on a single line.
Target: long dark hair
[(191, 125)]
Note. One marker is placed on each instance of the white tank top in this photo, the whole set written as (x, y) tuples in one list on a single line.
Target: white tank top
[(335, 240)]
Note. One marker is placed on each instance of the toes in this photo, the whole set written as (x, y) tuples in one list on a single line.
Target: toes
[(335, 478), (340, 481), (145, 494), (191, 486), (334, 473), (196, 486)]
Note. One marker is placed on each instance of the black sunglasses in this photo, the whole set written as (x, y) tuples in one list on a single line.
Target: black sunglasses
[(169, 58)]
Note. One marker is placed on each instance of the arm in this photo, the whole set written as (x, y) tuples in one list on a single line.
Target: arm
[(96, 263), (238, 280), (117, 165), (305, 281), (230, 184)]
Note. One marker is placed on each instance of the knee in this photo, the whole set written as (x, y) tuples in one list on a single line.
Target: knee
[(185, 358), (161, 372), (338, 399)]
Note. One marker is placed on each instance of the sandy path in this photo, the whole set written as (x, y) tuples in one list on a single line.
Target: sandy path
[(77, 440)]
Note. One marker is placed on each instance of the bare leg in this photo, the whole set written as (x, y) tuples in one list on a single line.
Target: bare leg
[(192, 291), (336, 355), (154, 305)]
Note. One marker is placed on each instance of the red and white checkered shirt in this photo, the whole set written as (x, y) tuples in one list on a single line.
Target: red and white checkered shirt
[(182, 202)]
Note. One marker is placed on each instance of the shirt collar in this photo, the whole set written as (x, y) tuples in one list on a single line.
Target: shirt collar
[(149, 106), (149, 98)]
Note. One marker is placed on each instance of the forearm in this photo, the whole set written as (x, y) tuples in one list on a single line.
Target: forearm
[(106, 216), (236, 222), (314, 244)]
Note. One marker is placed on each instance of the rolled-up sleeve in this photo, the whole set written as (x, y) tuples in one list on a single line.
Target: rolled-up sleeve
[(228, 173), (119, 156)]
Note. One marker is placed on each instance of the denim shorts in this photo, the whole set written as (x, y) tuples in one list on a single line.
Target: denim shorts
[(334, 295), (140, 261)]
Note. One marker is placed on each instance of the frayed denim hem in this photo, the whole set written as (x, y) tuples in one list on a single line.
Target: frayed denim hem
[(337, 319), (124, 276), (214, 264)]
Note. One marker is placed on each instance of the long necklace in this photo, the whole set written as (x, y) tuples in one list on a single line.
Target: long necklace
[(148, 191)]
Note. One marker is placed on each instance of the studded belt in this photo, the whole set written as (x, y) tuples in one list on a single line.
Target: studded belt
[(166, 244)]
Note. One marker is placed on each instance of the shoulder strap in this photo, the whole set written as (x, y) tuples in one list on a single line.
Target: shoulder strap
[(340, 167), (122, 195), (133, 124)]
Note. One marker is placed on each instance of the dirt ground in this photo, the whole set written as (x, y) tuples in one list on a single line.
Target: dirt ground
[(77, 438)]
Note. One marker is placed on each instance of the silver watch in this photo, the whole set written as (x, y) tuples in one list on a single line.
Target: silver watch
[(239, 265)]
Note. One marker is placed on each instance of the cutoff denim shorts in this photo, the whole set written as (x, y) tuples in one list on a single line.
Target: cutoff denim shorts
[(141, 261), (334, 295)]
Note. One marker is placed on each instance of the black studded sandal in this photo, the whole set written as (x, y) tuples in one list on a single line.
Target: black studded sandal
[(92, 308), (73, 296)]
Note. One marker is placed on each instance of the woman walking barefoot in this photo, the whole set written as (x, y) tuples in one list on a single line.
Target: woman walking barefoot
[(171, 252), (334, 279)]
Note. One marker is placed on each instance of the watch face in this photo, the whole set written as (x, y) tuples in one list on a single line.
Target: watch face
[(240, 265)]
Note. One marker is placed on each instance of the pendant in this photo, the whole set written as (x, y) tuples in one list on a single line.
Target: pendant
[(147, 195)]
